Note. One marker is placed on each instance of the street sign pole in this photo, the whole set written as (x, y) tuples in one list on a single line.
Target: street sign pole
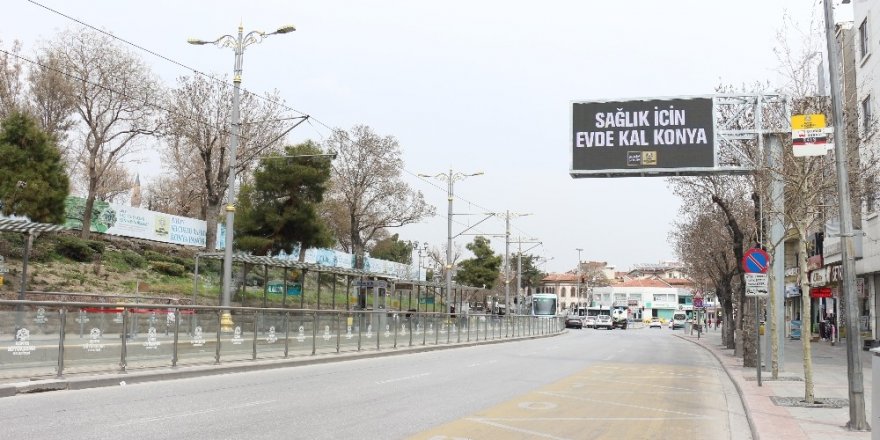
[(755, 263), (758, 337)]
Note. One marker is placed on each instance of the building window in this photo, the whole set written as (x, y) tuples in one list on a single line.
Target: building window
[(564, 292), (864, 39), (867, 114)]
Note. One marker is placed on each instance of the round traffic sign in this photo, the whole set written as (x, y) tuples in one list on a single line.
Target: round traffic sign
[(756, 261)]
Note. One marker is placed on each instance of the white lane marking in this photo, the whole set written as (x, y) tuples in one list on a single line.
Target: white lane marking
[(515, 429), (607, 402), (415, 376), (193, 413), (648, 385), (477, 364), (587, 419)]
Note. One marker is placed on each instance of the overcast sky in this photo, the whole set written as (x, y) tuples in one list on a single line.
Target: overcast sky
[(472, 85)]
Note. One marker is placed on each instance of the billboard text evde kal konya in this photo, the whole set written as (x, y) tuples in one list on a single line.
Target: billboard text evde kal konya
[(657, 137)]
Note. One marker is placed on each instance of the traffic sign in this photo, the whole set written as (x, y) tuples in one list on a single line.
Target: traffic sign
[(756, 261), (809, 136), (757, 284)]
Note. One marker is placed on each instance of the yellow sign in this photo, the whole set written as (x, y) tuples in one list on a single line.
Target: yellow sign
[(1, 280), (649, 158), (803, 122)]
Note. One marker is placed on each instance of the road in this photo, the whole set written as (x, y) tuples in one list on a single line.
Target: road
[(636, 383)]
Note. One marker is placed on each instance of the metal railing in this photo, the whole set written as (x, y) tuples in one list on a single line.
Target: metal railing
[(46, 338)]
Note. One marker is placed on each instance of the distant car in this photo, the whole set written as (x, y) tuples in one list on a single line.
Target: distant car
[(679, 319), (590, 322), (655, 322), (574, 322), (604, 321)]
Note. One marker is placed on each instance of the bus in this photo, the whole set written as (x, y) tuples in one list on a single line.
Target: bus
[(544, 304)]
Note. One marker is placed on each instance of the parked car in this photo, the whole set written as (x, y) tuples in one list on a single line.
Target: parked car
[(574, 322), (604, 321), (590, 322), (655, 322)]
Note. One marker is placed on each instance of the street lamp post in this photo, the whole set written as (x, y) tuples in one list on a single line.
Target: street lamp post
[(237, 44), (450, 179)]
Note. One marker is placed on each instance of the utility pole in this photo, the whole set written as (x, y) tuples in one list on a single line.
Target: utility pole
[(507, 263), (450, 179), (857, 418), (238, 44), (578, 274)]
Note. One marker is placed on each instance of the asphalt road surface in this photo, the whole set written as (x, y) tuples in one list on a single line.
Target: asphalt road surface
[(621, 384)]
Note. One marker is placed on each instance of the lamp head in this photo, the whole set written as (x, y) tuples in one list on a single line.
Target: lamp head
[(196, 41), (285, 29)]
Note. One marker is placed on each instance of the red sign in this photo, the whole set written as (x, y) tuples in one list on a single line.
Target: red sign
[(814, 262), (820, 292)]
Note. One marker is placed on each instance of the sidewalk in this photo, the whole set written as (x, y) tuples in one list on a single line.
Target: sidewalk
[(771, 421)]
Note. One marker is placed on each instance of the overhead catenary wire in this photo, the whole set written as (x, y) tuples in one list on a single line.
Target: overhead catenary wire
[(283, 105)]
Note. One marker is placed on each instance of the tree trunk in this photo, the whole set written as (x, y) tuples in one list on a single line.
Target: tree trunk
[(747, 320), (87, 216), (728, 329), (211, 225), (806, 320), (357, 247)]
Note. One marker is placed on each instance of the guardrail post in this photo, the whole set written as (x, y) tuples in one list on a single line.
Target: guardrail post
[(177, 319), (256, 319), (360, 326), (219, 327), (395, 329), (124, 336), (314, 331), (338, 320), (409, 324), (286, 331), (448, 328), (436, 333), (61, 333)]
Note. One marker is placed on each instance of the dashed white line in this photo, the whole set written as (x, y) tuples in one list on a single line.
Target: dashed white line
[(398, 379), (193, 413)]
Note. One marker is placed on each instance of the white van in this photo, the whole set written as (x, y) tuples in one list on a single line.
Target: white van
[(678, 320)]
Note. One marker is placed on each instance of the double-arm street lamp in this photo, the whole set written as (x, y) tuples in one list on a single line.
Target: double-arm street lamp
[(450, 179), (238, 44)]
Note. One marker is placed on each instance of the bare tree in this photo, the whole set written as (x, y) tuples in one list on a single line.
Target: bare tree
[(174, 194), (197, 125), (114, 94), (51, 100), (368, 189), (702, 242), (11, 85)]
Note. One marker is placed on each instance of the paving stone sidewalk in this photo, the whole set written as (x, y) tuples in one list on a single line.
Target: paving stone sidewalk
[(767, 405)]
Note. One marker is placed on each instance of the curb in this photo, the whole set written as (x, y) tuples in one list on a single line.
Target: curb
[(752, 427), (80, 382)]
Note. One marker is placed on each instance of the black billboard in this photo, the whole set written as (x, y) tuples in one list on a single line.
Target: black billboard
[(632, 137)]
